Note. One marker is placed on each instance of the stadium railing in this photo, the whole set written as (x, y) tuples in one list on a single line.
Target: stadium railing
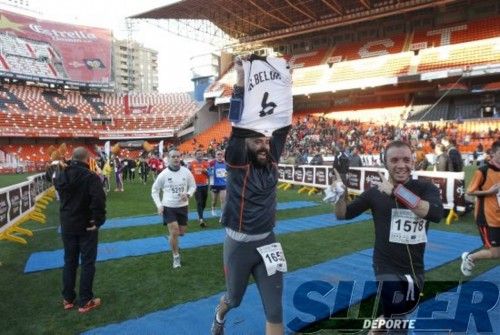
[(23, 202)]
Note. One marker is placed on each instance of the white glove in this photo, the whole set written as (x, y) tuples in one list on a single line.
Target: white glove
[(334, 192)]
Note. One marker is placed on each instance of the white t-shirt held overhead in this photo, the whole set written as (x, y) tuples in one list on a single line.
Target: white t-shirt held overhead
[(173, 184), (268, 98)]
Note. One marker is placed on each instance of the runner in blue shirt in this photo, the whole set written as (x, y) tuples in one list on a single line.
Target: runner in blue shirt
[(218, 188)]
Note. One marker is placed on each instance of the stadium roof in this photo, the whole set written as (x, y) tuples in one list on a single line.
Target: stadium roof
[(265, 20)]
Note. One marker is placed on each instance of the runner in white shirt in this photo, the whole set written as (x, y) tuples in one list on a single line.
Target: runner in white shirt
[(178, 185)]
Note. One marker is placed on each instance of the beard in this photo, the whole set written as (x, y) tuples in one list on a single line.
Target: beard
[(257, 159)]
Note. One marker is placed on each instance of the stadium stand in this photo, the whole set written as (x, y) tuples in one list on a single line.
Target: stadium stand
[(214, 134), (455, 46), (366, 49), (25, 56), (29, 109), (458, 33), (354, 62), (11, 45), (460, 55), (425, 112), (308, 59), (468, 108), (38, 112), (368, 129), (38, 152), (386, 66), (365, 72)]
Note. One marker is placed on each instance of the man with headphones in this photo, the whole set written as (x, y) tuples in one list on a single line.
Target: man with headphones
[(401, 209)]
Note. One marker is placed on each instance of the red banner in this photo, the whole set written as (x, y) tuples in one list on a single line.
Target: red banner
[(52, 52)]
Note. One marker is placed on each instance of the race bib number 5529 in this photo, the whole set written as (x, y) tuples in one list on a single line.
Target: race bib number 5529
[(406, 227), (274, 258)]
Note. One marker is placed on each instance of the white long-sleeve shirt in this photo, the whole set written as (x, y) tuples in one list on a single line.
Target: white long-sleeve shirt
[(173, 184)]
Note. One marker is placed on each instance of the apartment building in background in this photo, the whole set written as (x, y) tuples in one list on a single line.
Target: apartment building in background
[(135, 67)]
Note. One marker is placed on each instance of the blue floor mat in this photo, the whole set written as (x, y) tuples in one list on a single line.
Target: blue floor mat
[(318, 284), (135, 221), (46, 260), (471, 308)]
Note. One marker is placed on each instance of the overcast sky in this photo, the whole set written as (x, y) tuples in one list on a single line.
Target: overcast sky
[(174, 52)]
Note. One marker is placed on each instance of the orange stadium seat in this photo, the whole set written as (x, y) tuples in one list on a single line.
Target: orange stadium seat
[(375, 67), (442, 48), (460, 55), (39, 152), (458, 33), (218, 131), (373, 48), (68, 113), (362, 72), (25, 56), (309, 76), (50, 113), (311, 58)]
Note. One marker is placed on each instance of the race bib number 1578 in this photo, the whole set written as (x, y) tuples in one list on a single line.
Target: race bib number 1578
[(407, 228)]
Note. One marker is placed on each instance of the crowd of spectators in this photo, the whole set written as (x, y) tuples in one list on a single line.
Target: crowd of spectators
[(319, 137), (312, 138), (210, 151)]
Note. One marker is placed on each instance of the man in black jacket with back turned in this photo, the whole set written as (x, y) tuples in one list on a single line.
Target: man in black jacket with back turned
[(82, 212)]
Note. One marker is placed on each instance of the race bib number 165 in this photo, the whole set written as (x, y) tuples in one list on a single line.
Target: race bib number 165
[(274, 258)]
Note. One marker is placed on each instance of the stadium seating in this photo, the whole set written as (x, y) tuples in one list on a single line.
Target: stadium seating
[(41, 50), (458, 33), (309, 76), (35, 111), (460, 55), (427, 112), (217, 132), (387, 66), (468, 108), (390, 114), (370, 128), (32, 111), (358, 50), (359, 73), (308, 59), (40, 112), (12, 45), (30, 66), (347, 65), (39, 152)]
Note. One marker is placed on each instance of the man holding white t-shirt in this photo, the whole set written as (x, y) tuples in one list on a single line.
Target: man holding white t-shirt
[(261, 111), (178, 185)]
